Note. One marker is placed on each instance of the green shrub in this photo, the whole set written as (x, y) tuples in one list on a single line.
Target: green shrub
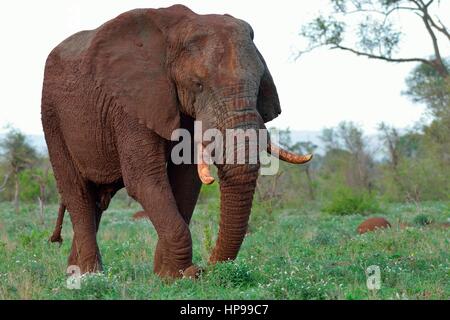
[(231, 274), (30, 188), (33, 239), (322, 239), (422, 220), (345, 201), (95, 286)]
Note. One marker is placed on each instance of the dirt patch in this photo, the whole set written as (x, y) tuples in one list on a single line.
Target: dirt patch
[(373, 224)]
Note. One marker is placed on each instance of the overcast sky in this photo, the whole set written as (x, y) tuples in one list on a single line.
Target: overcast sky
[(318, 90)]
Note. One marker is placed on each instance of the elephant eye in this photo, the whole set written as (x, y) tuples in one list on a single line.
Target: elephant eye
[(198, 86)]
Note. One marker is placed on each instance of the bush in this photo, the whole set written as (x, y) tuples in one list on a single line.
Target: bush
[(30, 188), (323, 239), (422, 220), (345, 201), (231, 274)]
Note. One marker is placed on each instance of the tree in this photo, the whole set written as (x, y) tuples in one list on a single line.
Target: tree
[(19, 155), (306, 147), (302, 147), (347, 142), (42, 177), (391, 139), (5, 181), (425, 85), (400, 145), (369, 28)]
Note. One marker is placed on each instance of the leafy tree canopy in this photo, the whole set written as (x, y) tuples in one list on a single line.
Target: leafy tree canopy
[(371, 28)]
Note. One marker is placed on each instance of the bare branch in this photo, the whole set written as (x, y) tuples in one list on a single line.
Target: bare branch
[(384, 13), (311, 48), (439, 63), (365, 10), (418, 4), (327, 36), (374, 56), (429, 3), (394, 9), (441, 28), (5, 181)]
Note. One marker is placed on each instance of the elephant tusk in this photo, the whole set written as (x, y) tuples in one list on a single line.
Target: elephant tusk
[(282, 154), (202, 167), (288, 156)]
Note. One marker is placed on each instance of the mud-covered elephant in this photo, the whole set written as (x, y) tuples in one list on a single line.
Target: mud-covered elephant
[(112, 98)]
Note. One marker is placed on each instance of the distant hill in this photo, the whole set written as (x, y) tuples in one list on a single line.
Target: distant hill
[(374, 143), (312, 136), (38, 141)]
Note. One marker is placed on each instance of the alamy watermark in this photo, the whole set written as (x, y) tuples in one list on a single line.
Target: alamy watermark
[(238, 146), (373, 274), (73, 282)]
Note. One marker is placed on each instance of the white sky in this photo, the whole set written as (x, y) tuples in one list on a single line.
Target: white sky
[(319, 90)]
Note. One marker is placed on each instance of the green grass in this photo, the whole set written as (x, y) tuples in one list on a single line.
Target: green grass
[(292, 253)]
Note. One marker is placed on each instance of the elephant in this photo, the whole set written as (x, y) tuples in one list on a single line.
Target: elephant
[(111, 99)]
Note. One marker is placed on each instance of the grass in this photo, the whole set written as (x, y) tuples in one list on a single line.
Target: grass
[(292, 253)]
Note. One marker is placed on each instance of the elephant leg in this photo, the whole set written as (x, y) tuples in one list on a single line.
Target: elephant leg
[(173, 253), (75, 254), (186, 186), (103, 195), (143, 162), (184, 178), (85, 216), (78, 198)]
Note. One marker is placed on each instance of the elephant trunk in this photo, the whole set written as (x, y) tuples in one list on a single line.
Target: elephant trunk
[(237, 187), (237, 176), (236, 199)]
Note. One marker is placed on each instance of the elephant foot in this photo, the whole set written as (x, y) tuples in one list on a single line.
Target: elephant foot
[(92, 267), (166, 269), (193, 272), (84, 269), (91, 264), (218, 256), (95, 268)]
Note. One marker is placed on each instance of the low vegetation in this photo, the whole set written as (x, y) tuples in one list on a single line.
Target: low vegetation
[(292, 253)]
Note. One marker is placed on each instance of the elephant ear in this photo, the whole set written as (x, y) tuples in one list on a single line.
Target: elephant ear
[(268, 102), (127, 59)]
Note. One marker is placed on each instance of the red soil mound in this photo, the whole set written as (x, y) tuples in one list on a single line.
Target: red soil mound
[(373, 224)]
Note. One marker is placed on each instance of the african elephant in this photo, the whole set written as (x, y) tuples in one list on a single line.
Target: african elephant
[(112, 98)]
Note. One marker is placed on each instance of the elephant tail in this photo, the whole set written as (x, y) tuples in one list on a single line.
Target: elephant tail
[(56, 236)]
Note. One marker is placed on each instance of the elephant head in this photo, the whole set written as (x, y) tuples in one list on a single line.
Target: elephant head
[(160, 63)]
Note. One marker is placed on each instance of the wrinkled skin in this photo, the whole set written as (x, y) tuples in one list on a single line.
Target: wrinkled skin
[(111, 100)]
